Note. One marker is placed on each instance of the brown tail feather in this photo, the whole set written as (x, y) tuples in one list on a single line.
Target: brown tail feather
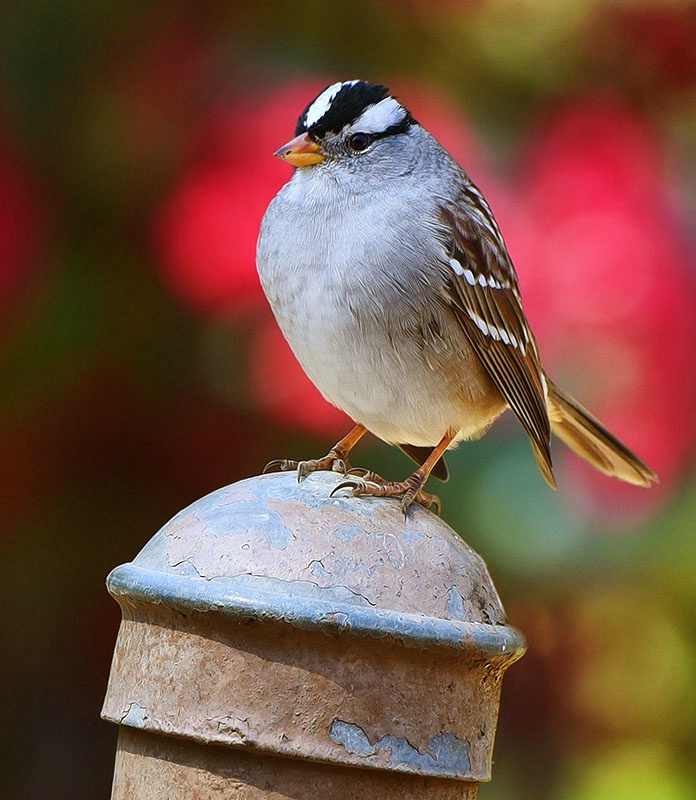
[(586, 435), (544, 462)]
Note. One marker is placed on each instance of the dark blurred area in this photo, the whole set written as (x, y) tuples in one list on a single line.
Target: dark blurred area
[(141, 368)]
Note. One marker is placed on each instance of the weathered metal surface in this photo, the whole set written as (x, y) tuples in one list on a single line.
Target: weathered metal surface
[(270, 617), (150, 767)]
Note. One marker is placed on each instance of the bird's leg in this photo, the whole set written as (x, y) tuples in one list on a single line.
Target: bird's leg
[(336, 459), (409, 490)]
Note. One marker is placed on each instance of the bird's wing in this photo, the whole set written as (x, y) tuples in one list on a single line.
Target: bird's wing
[(484, 293)]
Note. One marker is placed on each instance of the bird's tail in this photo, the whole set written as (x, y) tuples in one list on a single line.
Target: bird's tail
[(586, 435)]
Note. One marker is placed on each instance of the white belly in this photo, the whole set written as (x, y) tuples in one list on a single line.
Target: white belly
[(358, 333)]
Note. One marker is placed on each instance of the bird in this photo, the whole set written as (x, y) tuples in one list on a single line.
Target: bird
[(391, 281)]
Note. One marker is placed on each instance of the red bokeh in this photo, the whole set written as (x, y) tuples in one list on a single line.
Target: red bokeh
[(20, 230), (205, 233), (603, 263), (284, 392), (655, 40)]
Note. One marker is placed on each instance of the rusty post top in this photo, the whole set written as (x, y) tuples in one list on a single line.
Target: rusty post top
[(268, 548), (271, 618)]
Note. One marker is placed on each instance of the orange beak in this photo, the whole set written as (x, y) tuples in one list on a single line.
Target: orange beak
[(300, 152)]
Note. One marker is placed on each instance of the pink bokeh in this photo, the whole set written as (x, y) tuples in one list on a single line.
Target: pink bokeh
[(606, 276)]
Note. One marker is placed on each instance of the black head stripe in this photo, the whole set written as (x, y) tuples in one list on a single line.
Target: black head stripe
[(345, 107), (392, 130)]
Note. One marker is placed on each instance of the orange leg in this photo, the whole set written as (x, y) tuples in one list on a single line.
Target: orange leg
[(409, 490), (336, 459)]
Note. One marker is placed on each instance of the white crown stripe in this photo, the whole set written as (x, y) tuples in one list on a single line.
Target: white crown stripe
[(381, 116), (322, 104)]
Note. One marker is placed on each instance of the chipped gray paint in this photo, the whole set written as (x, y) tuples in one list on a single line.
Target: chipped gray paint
[(448, 754), (136, 716), (455, 603), (345, 532)]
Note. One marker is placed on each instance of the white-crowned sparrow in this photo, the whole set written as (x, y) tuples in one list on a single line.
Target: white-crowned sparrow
[(390, 279)]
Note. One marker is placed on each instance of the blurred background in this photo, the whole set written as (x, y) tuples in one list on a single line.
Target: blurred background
[(140, 367)]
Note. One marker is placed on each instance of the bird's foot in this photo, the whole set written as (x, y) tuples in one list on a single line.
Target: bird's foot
[(408, 491), (331, 462), (336, 460), (366, 475)]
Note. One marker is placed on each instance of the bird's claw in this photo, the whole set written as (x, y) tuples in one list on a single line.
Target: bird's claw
[(365, 474), (359, 486), (329, 462), (361, 481), (429, 501), (404, 491), (281, 465)]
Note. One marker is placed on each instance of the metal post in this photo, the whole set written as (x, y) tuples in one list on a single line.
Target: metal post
[(277, 642)]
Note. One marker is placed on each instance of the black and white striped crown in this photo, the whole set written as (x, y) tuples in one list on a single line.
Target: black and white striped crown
[(366, 106)]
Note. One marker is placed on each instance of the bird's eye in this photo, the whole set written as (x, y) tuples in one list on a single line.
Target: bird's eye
[(359, 142)]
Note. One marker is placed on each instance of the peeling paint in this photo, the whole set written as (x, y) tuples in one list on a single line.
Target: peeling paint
[(455, 603), (234, 729), (225, 519), (187, 567), (449, 755), (412, 535), (136, 716), (346, 532), (318, 571)]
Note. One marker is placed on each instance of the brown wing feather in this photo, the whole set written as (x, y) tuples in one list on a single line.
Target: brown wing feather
[(486, 299)]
